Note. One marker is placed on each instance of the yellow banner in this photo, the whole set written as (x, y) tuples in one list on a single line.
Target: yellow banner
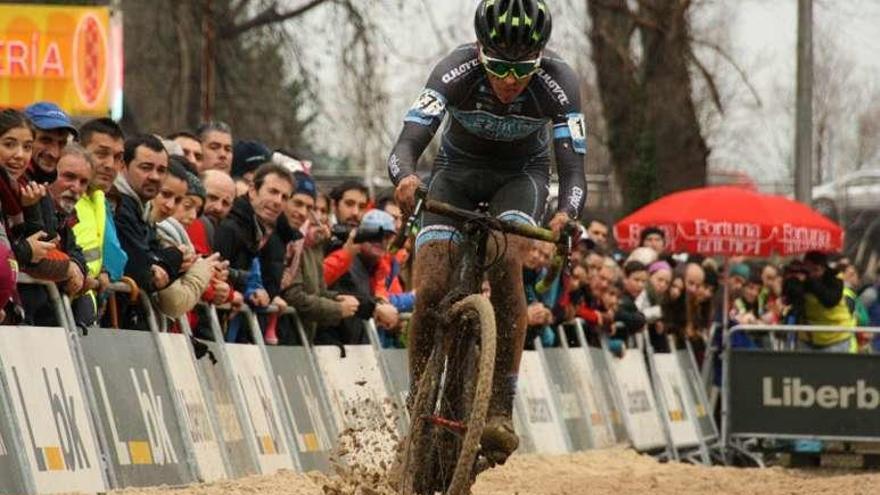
[(60, 54)]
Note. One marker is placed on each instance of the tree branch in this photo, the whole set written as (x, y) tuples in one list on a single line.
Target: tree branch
[(739, 70), (710, 81), (268, 16)]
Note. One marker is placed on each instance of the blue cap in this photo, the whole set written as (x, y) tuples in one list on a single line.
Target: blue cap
[(378, 220), (305, 184), (47, 116)]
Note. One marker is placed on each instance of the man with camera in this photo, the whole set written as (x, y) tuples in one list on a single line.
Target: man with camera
[(814, 294), (363, 257)]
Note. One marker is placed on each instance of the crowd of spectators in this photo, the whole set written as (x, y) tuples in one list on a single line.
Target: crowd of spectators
[(199, 217), (189, 218)]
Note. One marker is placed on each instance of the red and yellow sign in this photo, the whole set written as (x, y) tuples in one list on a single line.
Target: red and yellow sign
[(60, 54)]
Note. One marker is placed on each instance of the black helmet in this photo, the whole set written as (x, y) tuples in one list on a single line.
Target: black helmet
[(513, 29)]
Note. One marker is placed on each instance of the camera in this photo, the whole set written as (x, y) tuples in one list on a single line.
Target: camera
[(340, 232)]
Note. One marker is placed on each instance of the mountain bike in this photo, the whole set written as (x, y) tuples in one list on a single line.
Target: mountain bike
[(448, 411)]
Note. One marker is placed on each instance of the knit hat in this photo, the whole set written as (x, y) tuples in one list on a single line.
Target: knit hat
[(740, 270), (645, 255), (247, 156), (658, 266), (305, 184), (194, 187)]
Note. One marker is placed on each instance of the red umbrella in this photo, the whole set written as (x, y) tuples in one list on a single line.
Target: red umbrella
[(732, 221)]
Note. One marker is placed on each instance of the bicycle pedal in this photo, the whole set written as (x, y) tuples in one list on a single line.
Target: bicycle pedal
[(456, 427)]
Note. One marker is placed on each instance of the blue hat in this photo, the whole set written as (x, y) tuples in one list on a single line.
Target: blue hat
[(378, 220), (305, 184), (740, 270), (247, 156), (47, 116)]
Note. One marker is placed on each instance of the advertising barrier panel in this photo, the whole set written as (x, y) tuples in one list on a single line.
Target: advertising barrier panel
[(196, 421), (398, 371), (705, 420), (240, 459), (804, 394), (639, 406), (361, 405), (262, 411), (603, 383), (50, 409), (12, 476), (135, 409), (64, 54), (575, 417), (541, 414), (587, 381), (672, 384), (310, 422)]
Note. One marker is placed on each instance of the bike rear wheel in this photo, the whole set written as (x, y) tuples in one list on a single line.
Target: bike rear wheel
[(454, 389)]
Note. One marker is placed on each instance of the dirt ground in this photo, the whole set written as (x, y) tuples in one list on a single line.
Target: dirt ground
[(612, 472)]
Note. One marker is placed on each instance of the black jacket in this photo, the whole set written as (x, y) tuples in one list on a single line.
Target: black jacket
[(35, 298), (355, 282), (237, 239), (139, 240)]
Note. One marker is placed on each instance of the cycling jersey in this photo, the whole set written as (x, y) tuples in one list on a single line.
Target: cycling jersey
[(508, 135)]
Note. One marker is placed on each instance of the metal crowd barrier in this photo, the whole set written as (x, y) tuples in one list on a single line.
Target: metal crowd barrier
[(576, 397), (797, 394)]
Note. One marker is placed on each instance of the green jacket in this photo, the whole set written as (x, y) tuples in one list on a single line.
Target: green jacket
[(315, 305)]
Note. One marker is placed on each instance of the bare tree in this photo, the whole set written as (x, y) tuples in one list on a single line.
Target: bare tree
[(643, 58)]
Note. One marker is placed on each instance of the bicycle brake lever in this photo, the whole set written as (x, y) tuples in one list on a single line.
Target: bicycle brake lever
[(411, 226)]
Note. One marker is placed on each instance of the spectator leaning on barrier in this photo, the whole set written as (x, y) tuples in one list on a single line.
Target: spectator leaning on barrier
[(52, 128), (219, 196), (365, 279), (74, 173), (95, 230), (539, 314), (307, 293), (825, 304), (184, 293), (216, 138), (191, 146), (249, 238), (635, 276), (150, 265), (22, 225)]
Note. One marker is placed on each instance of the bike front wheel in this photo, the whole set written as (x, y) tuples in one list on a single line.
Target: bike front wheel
[(449, 410)]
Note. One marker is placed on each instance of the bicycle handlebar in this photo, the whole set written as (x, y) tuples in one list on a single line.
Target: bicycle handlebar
[(563, 240)]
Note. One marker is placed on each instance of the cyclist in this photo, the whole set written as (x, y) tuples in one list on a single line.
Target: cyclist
[(502, 94)]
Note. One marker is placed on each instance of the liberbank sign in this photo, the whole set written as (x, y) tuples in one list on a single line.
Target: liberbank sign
[(69, 55), (804, 393)]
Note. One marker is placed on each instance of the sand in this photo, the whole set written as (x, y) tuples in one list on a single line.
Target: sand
[(616, 471)]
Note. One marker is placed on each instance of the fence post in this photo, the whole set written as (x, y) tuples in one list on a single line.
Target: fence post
[(213, 415), (179, 410), (66, 319), (27, 475), (257, 334), (588, 415), (659, 395), (614, 395), (376, 344), (234, 390), (554, 395), (319, 378)]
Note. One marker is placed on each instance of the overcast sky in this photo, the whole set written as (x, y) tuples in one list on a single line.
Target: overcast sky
[(761, 34)]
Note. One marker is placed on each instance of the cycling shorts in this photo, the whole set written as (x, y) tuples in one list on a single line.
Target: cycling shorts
[(515, 190)]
